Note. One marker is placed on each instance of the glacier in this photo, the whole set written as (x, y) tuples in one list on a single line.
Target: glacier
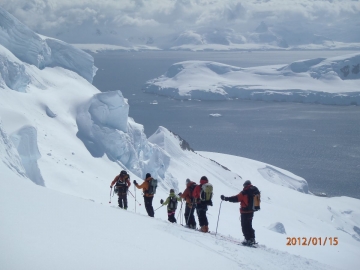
[(42, 51), (332, 81)]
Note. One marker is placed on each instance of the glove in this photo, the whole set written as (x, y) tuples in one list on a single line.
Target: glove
[(135, 183), (224, 198), (180, 194), (161, 201), (110, 186)]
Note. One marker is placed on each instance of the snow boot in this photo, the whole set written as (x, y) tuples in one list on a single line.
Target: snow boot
[(204, 228)]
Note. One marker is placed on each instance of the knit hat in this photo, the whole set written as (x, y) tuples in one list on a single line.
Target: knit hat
[(147, 175), (188, 181), (246, 183), (204, 178), (172, 191)]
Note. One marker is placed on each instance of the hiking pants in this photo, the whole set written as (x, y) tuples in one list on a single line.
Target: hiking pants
[(171, 216), (201, 212), (148, 206), (122, 200), (246, 225), (189, 216)]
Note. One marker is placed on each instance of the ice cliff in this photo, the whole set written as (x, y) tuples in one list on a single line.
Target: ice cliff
[(104, 128)]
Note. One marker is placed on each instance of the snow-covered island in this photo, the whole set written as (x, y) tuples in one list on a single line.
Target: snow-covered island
[(62, 142), (332, 81)]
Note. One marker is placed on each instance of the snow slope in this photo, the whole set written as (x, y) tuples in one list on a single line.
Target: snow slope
[(61, 144), (323, 80)]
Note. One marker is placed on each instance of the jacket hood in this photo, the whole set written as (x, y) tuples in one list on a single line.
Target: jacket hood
[(190, 184)]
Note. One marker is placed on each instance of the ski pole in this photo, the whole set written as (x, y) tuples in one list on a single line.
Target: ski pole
[(180, 214), (134, 198), (158, 208), (110, 194), (218, 218)]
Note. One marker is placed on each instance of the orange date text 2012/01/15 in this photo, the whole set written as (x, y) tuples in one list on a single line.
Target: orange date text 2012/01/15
[(313, 241)]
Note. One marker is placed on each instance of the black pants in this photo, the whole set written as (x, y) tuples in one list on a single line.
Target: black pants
[(123, 200), (246, 225), (201, 209), (148, 206), (189, 216), (171, 216)]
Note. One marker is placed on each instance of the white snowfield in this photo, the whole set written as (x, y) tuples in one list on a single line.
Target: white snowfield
[(62, 142), (333, 80)]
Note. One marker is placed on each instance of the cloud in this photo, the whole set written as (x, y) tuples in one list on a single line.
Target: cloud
[(156, 17)]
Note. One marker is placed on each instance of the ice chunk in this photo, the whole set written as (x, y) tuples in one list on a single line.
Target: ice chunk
[(277, 227), (25, 141)]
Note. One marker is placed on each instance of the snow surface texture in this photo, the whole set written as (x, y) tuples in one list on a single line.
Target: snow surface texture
[(39, 132), (42, 51), (324, 80)]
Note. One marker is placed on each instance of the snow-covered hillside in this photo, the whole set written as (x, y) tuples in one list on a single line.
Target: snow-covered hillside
[(323, 80), (61, 144)]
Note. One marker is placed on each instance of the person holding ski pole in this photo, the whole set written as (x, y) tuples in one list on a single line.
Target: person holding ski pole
[(190, 205), (171, 203), (122, 184), (249, 199), (149, 189), (202, 195)]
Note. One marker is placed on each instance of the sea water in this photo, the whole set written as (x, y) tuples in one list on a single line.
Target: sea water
[(320, 143)]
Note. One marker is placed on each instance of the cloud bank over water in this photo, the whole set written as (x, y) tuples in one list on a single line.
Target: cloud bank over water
[(146, 22)]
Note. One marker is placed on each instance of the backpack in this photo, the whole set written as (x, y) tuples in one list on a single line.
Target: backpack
[(253, 199), (172, 203), (206, 193), (152, 187), (121, 186)]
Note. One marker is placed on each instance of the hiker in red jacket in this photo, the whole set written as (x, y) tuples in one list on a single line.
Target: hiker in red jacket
[(201, 206), (246, 213)]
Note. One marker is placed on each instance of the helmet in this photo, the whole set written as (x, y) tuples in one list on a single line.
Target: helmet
[(123, 173)]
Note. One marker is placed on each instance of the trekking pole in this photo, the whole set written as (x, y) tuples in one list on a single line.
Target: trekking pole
[(110, 194), (158, 208), (180, 214), (218, 218), (134, 198)]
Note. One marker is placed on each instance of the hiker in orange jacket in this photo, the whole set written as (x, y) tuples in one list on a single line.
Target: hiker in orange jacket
[(148, 198), (122, 184), (190, 204)]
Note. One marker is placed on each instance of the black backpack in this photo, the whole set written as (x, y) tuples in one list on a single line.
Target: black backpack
[(172, 203), (253, 199), (121, 187)]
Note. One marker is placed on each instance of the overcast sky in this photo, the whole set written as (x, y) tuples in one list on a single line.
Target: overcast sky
[(160, 17)]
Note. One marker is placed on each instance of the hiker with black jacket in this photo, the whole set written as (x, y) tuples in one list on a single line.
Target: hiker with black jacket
[(190, 204), (148, 198), (245, 198), (171, 203), (122, 184)]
